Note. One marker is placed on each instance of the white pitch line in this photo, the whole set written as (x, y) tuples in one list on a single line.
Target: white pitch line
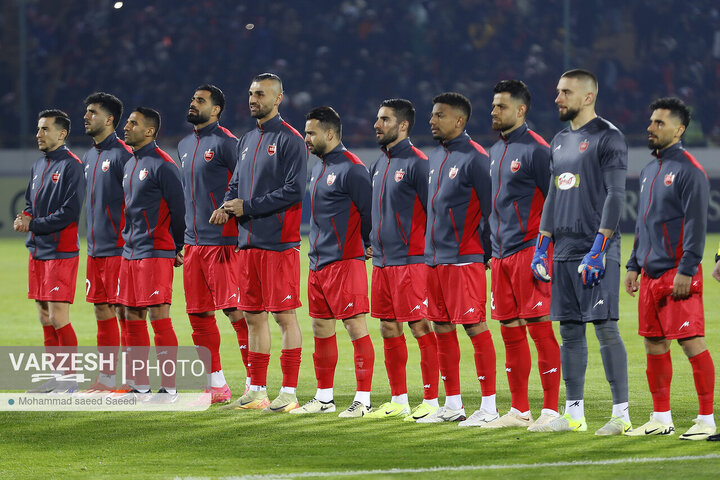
[(466, 468)]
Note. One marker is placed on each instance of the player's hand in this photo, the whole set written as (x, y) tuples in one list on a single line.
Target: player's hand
[(219, 217), (631, 282), (179, 259), (681, 286), (22, 223), (368, 253), (234, 207), (592, 267), (540, 264), (716, 271)]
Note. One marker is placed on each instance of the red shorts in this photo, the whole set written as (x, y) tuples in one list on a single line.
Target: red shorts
[(145, 282), (457, 293), (272, 280), (660, 315), (516, 293), (400, 292), (101, 279), (52, 280), (211, 276), (338, 290)]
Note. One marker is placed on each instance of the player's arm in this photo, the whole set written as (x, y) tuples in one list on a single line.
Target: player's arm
[(482, 183), (716, 270), (613, 165), (22, 219), (541, 168), (540, 264), (172, 192), (694, 195), (294, 157), (360, 191), (419, 178), (633, 266), (73, 190)]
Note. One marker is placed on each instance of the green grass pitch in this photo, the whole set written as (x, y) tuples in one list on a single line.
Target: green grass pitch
[(216, 443)]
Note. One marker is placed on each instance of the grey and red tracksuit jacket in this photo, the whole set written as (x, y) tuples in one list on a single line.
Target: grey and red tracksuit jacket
[(270, 179), (53, 199), (672, 214), (208, 157), (105, 206), (520, 172), (459, 203), (399, 198), (339, 208), (154, 205)]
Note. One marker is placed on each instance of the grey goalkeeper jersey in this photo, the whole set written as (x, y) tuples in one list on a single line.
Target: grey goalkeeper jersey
[(587, 188)]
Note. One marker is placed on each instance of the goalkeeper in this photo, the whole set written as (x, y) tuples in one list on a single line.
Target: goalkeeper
[(581, 213)]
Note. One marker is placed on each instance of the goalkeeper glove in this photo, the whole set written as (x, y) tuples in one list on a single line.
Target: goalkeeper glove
[(540, 263), (592, 268)]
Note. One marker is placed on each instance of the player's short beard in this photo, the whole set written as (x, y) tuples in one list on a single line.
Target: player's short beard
[(569, 115), (197, 118), (261, 112), (93, 131), (654, 144), (388, 138), (318, 149)]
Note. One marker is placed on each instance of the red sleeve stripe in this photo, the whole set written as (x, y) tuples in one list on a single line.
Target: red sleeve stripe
[(227, 132), (538, 138), (478, 147), (419, 153), (165, 156), (75, 157), (290, 127), (125, 146), (353, 158), (694, 162)]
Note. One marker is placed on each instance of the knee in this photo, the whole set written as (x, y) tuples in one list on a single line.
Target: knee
[(607, 333)]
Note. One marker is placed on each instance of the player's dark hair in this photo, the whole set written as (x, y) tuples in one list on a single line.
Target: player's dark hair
[(404, 110), (517, 90), (677, 108), (581, 74), (216, 96), (269, 76), (109, 103), (62, 120), (455, 100), (152, 116), (328, 118)]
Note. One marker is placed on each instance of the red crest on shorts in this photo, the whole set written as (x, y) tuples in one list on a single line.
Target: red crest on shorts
[(209, 154), (331, 179), (399, 174), (105, 165), (583, 145), (56, 177), (669, 179), (453, 172), (515, 165), (143, 174), (272, 149)]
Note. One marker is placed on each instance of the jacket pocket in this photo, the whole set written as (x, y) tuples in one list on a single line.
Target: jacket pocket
[(400, 227), (517, 212), (454, 225), (337, 237), (147, 222)]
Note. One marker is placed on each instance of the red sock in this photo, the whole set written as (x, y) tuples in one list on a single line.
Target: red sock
[(50, 338), (206, 334), (548, 350), (66, 336), (167, 355), (241, 330), (290, 366), (108, 340), (396, 355), (517, 365), (139, 346), (364, 363), (325, 359), (258, 365), (704, 375), (659, 375), (123, 332), (485, 362), (449, 361), (429, 365)]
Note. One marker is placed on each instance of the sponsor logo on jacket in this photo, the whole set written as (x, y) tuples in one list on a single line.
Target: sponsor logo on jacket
[(567, 180)]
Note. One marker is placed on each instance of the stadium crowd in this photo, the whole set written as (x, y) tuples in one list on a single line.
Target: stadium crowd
[(354, 53)]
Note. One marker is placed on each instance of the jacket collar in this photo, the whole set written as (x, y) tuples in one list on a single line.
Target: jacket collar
[(58, 154), (660, 154), (400, 149), (146, 149), (330, 156), (515, 134), (272, 124), (461, 139), (206, 130), (107, 143)]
